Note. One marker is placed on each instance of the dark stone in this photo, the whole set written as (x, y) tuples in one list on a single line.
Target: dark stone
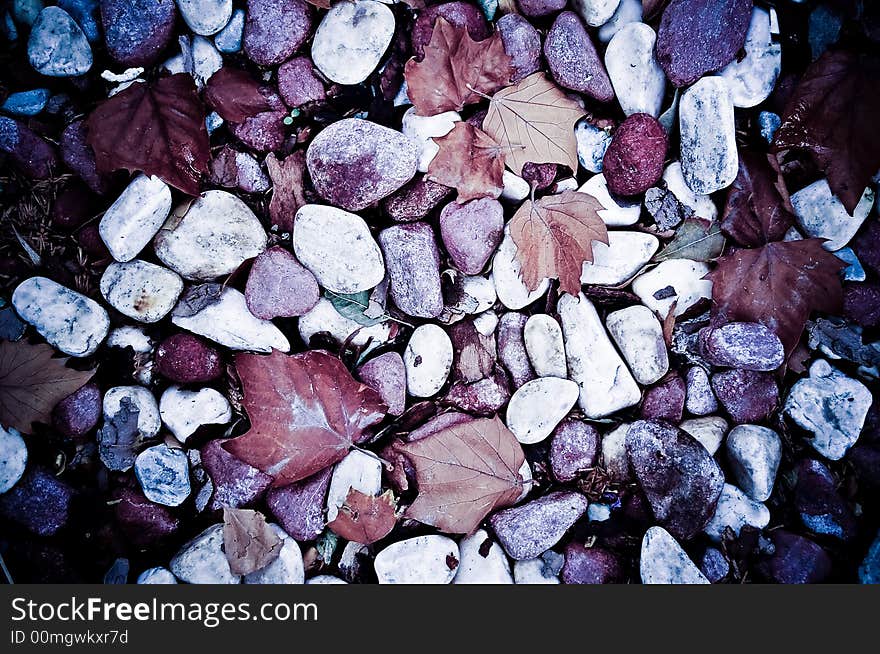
[(822, 509), (527, 530), (299, 507), (573, 60), (745, 345), (275, 29), (746, 395), (714, 565), (795, 560), (39, 502), (861, 303), (27, 150), (78, 413), (298, 84), (573, 449), (665, 401), (143, 522), (536, 8), (591, 565), (187, 359), (137, 31), (80, 158), (634, 159)]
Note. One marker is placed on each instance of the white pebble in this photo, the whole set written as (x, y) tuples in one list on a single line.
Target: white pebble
[(428, 360), (538, 406)]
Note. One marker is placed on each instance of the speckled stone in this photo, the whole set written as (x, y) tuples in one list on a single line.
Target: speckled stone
[(527, 530), (236, 484), (522, 43), (78, 413), (573, 60), (746, 395), (471, 232), (275, 29), (137, 31), (412, 260), (634, 160)]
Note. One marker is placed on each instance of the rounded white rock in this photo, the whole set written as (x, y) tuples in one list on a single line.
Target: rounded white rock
[(639, 81), (639, 337), (288, 568), (141, 290), (428, 360), (351, 39), (626, 254), (663, 561), (184, 411), (545, 346), (754, 453), (674, 281), (509, 286), (324, 317), (202, 560), (424, 129), (752, 78), (538, 406), (135, 217), (483, 561), (618, 212), (429, 559), (709, 158), (140, 398), (205, 17), (13, 458), (595, 12)]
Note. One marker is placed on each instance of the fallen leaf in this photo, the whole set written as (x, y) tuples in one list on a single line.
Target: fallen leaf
[(456, 70), (777, 285), (758, 208), (306, 411), (32, 382), (832, 114), (158, 129), (554, 237), (249, 543), (235, 95), (470, 162), (695, 239), (464, 472), (357, 306), (534, 121), (365, 518), (287, 188)]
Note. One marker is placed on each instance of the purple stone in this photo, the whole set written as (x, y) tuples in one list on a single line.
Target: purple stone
[(236, 483), (437, 424), (795, 560), (700, 398), (536, 8), (541, 176), (522, 43), (471, 232), (298, 84), (678, 476), (745, 345), (187, 359), (573, 449), (665, 401), (413, 264), (415, 200), (275, 29), (861, 303), (573, 60), (263, 132), (714, 565), (39, 502), (633, 162), (748, 396), (278, 286), (143, 522), (591, 565), (460, 14), (822, 509), (484, 397), (80, 158), (78, 413), (527, 530), (30, 153), (137, 31), (512, 348), (299, 507), (228, 170), (386, 374), (866, 245)]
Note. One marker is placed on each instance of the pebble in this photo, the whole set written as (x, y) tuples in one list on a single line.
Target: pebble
[(428, 360), (709, 431), (206, 59), (57, 46), (596, 12), (534, 571), (769, 122), (545, 346), (141, 290), (299, 507), (233, 169), (279, 286), (663, 561), (638, 80), (337, 248), (573, 61), (227, 321), (591, 565), (754, 454), (678, 476), (822, 508), (78, 413), (471, 232), (355, 162), (415, 200), (592, 142), (30, 153), (626, 254), (674, 281), (286, 569), (573, 449), (752, 78), (854, 271), (714, 565), (143, 522), (514, 187), (701, 205), (386, 374), (618, 212), (736, 510), (413, 262), (527, 530), (628, 11), (614, 458), (746, 395), (205, 17), (744, 345), (264, 132), (325, 318), (536, 8), (13, 458), (430, 559), (26, 103), (512, 349), (351, 39), (118, 438), (163, 473), (639, 337), (795, 560), (39, 502), (137, 31), (135, 217), (469, 294), (158, 575), (298, 84), (186, 359), (184, 411), (482, 561), (665, 401), (214, 237), (538, 406), (511, 290), (709, 159), (830, 405), (69, 321), (869, 571), (700, 398), (358, 470), (606, 384), (325, 579), (202, 560), (522, 43), (228, 40), (236, 483), (459, 14), (275, 29), (820, 214)]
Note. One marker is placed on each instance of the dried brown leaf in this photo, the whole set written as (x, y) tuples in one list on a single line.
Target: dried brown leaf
[(758, 208), (235, 95), (287, 188), (469, 161), (249, 543), (365, 518)]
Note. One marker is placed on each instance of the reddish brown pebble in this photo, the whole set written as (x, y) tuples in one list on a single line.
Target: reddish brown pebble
[(278, 286), (78, 413), (186, 359), (634, 160)]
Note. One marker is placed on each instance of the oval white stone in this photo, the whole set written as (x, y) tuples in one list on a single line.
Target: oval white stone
[(135, 217), (639, 338), (751, 80), (420, 560), (141, 290), (509, 286), (639, 81), (709, 157), (184, 411), (351, 40), (205, 17), (544, 346), (621, 260), (538, 406), (428, 360)]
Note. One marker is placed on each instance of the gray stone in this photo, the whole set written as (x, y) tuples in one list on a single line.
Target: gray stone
[(471, 232), (639, 337), (184, 411), (351, 40), (421, 560), (428, 360), (205, 17), (573, 61), (614, 458), (527, 530), (387, 375), (275, 29), (736, 510), (639, 81), (57, 46), (709, 157), (663, 561), (163, 473), (522, 43), (135, 217), (592, 141), (512, 349), (820, 214), (545, 346), (754, 454), (413, 263), (701, 204), (13, 458), (202, 560), (141, 290), (538, 406), (743, 345), (752, 78)]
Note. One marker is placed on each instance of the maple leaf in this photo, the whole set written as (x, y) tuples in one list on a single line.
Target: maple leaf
[(758, 208), (469, 161), (306, 411), (235, 95), (365, 518), (456, 70), (32, 382), (554, 237), (464, 472), (832, 114), (534, 120), (287, 188), (777, 285), (158, 129), (249, 543)]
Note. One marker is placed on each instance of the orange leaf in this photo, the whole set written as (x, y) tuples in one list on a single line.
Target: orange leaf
[(365, 518), (469, 161)]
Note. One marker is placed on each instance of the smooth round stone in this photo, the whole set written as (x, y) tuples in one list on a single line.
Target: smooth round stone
[(536, 8), (351, 40), (264, 132), (754, 453), (135, 217), (183, 411), (359, 471), (617, 212), (626, 254), (413, 263), (592, 141), (528, 530), (275, 29), (628, 11), (421, 560), (639, 336), (634, 160), (702, 205), (751, 80), (68, 320), (214, 237), (515, 188), (795, 560), (139, 398), (663, 561), (534, 571), (141, 290), (39, 502), (511, 290), (205, 17), (822, 509), (13, 458), (143, 522), (386, 374), (286, 569), (512, 348), (714, 565), (736, 510), (57, 46), (324, 317), (538, 406), (186, 359), (163, 473), (746, 345), (665, 401), (78, 413), (337, 248), (422, 130), (573, 449), (298, 84), (459, 14), (228, 40), (591, 565), (428, 360), (137, 31), (700, 398), (573, 60), (822, 215), (482, 561), (522, 43), (746, 395), (299, 507), (279, 286), (26, 103), (639, 82), (202, 560), (355, 162), (471, 232), (678, 281), (158, 575), (596, 12), (545, 347)]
